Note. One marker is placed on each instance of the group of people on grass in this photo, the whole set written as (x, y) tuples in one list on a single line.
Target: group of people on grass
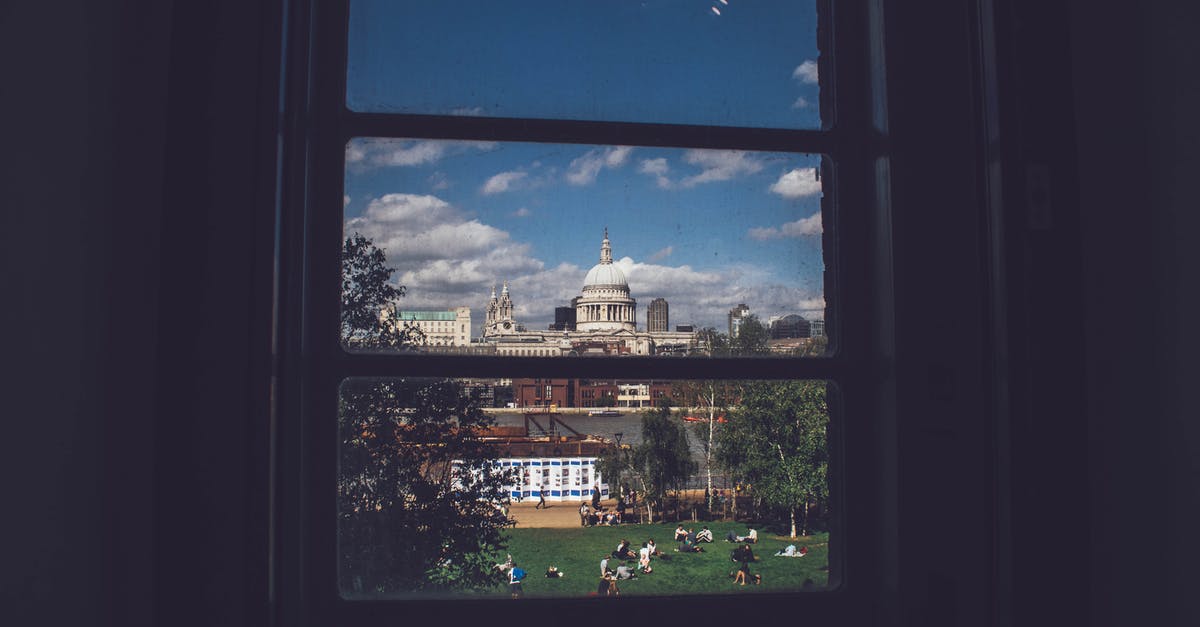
[(689, 539), (593, 516)]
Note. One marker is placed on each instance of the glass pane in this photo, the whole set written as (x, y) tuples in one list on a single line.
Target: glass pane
[(444, 487), (529, 249), (735, 63)]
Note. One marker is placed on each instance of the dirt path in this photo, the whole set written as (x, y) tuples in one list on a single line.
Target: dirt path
[(559, 515)]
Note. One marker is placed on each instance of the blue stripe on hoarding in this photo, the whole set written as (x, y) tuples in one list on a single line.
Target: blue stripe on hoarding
[(536, 463), (555, 462), (574, 492), (574, 462), (555, 493)]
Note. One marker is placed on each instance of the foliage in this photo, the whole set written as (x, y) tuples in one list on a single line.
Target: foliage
[(712, 340), (660, 463), (367, 292), (751, 338), (416, 488), (776, 440), (712, 399)]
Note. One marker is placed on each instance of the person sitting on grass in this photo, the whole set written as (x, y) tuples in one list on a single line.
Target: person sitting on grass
[(743, 571), (751, 537), (604, 570), (704, 535), (653, 548), (553, 573), (644, 558), (625, 572), (742, 554), (608, 587), (791, 551), (583, 515), (623, 551), (611, 518), (680, 533)]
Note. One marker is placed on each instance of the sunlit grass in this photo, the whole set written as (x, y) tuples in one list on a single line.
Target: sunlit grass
[(577, 552)]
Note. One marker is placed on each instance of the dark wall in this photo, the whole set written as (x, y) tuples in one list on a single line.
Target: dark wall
[(134, 387), (1136, 98)]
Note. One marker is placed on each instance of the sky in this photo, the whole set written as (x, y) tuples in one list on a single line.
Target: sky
[(704, 229), (673, 61)]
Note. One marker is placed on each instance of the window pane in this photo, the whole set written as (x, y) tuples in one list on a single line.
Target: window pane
[(738, 63), (530, 249), (440, 482)]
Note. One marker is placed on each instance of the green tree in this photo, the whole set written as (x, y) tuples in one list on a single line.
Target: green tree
[(662, 462), (777, 440), (713, 342), (370, 313), (417, 488), (711, 399), (751, 338)]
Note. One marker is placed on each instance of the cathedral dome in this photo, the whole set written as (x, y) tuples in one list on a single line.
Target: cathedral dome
[(605, 274)]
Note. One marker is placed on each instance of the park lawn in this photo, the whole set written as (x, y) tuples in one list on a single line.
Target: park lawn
[(577, 553)]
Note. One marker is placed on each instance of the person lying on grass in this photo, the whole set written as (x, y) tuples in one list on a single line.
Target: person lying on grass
[(623, 551), (553, 573), (791, 551), (625, 572)]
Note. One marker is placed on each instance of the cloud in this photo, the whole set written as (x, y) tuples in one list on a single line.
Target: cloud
[(661, 254), (719, 165), (584, 170), (446, 258), (523, 212), (438, 181), (345, 200), (801, 103), (806, 72), (387, 152), (501, 182), (658, 168), (799, 228), (797, 183)]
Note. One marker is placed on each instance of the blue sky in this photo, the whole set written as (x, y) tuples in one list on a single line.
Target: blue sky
[(649, 61), (704, 229)]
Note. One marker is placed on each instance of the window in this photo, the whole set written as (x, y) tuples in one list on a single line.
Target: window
[(349, 123)]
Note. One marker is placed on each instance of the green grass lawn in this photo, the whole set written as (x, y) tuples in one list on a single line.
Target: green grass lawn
[(577, 552)]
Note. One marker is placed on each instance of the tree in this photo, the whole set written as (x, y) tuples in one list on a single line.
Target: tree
[(777, 440), (713, 341), (660, 463), (367, 293), (751, 338), (417, 488), (712, 399)]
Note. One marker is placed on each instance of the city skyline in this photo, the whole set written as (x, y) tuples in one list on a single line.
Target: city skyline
[(704, 229)]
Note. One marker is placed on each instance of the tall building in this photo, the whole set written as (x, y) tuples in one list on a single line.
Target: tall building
[(564, 319), (817, 328), (657, 316), (449, 327), (736, 315)]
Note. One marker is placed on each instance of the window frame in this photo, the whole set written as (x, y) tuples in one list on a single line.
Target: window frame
[(856, 245)]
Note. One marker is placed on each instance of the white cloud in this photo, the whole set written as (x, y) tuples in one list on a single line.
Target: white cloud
[(523, 212), (501, 182), (797, 183), (799, 228), (584, 170), (806, 72), (445, 258), (801, 103), (658, 168), (388, 152), (719, 165), (661, 254), (438, 181), (345, 200)]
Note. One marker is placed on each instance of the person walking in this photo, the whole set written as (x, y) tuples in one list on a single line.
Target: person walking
[(541, 497)]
